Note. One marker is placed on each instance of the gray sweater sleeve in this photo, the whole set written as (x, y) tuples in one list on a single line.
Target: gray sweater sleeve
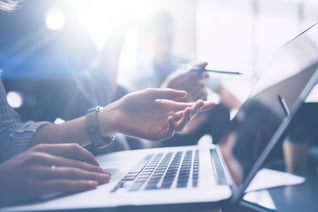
[(15, 136)]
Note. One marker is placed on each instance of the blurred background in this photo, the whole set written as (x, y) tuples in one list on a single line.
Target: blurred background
[(57, 38)]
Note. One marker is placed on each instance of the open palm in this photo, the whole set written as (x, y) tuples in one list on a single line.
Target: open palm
[(154, 114)]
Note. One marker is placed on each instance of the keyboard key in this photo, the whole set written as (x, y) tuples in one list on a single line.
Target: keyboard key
[(160, 171)]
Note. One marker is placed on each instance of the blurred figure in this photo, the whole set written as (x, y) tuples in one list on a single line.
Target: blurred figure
[(158, 66), (154, 55)]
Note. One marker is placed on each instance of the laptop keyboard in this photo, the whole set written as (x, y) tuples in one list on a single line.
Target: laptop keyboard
[(163, 171)]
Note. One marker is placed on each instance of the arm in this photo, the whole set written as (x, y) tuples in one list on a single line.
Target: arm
[(151, 114)]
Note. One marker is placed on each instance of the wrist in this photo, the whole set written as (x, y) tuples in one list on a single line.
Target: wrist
[(106, 119), (92, 125)]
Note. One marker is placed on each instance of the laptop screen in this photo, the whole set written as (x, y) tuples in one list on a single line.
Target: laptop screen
[(276, 95)]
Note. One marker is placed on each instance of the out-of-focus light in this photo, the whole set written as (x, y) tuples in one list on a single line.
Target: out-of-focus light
[(14, 99), (101, 18), (54, 19), (59, 121)]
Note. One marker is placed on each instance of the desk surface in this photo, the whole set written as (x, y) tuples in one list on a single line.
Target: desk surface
[(302, 197)]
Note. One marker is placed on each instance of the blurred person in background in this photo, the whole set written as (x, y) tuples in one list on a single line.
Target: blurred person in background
[(153, 57), (155, 64)]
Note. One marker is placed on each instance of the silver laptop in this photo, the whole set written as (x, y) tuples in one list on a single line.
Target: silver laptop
[(210, 175)]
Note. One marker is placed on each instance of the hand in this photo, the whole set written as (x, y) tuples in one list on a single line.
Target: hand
[(49, 168), (151, 114), (196, 123), (189, 79)]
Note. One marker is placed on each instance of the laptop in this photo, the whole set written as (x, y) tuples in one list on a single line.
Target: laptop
[(208, 175)]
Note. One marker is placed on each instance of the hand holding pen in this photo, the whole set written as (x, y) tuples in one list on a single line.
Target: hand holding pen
[(191, 77), (217, 71)]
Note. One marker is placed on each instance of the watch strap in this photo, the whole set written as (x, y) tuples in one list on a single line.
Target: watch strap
[(92, 128)]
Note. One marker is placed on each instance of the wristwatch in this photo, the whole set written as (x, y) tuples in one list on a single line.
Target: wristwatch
[(92, 128)]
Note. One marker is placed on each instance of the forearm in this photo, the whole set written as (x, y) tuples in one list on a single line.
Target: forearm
[(73, 131), (69, 132)]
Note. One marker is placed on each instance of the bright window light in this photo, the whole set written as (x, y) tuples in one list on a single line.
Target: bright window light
[(101, 17), (54, 19)]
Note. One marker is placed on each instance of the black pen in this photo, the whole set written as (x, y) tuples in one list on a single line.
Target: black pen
[(219, 71)]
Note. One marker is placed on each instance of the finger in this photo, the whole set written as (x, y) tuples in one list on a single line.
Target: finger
[(200, 74), (207, 106), (180, 106), (166, 93), (173, 105), (200, 64), (48, 160), (196, 108), (67, 173), (180, 124), (205, 75), (171, 126), (177, 116), (64, 186), (200, 106), (197, 75), (70, 150)]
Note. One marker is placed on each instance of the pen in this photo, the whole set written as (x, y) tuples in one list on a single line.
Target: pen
[(283, 104), (219, 71)]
